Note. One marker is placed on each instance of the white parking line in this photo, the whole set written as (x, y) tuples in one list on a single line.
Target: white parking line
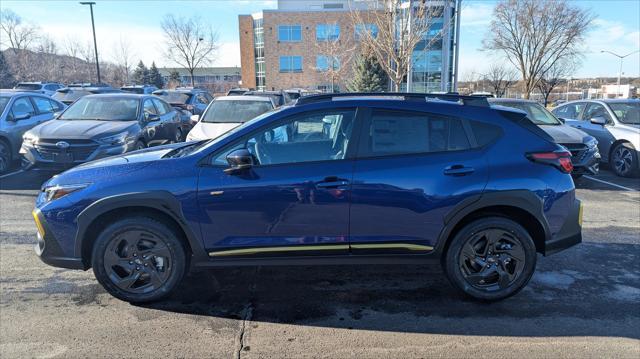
[(12, 173), (610, 184)]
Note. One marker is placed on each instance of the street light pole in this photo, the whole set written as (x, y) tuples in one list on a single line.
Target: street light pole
[(93, 27), (620, 70)]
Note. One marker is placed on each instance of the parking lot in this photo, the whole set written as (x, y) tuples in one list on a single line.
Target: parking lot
[(583, 302)]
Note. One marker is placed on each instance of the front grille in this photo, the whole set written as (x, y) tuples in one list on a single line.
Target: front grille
[(578, 151), (79, 150)]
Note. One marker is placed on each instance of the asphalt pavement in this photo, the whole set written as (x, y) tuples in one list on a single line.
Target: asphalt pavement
[(581, 303)]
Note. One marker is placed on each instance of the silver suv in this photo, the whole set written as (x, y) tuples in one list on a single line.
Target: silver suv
[(45, 88), (616, 126)]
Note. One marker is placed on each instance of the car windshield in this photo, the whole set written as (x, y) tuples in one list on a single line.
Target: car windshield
[(174, 97), (3, 102), (103, 109), (28, 86), (535, 111), (239, 111), (627, 112), (69, 96)]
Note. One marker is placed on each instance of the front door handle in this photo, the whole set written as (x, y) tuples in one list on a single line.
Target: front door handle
[(332, 182), (458, 170)]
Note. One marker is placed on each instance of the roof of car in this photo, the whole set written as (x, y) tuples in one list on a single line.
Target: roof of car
[(497, 100), (263, 93), (119, 94), (12, 92), (604, 100), (243, 98)]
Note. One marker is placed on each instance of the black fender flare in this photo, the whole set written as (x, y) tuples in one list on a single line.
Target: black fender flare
[(162, 201), (521, 199)]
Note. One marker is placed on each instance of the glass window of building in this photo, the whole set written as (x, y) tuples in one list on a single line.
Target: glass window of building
[(327, 32), (290, 63), (362, 29), (324, 63), (289, 33)]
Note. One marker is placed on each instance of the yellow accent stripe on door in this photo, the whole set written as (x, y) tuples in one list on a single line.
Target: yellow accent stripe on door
[(244, 251), (411, 247)]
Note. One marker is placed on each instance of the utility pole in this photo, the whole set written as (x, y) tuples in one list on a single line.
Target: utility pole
[(95, 44), (620, 70)]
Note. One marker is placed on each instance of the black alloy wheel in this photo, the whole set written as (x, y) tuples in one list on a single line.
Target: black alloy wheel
[(139, 259), (5, 157), (624, 160), (491, 258)]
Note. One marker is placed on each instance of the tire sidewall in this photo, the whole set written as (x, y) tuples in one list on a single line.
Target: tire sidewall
[(169, 237), (454, 274)]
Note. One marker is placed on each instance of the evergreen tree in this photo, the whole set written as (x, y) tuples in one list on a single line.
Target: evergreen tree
[(174, 78), (6, 77), (155, 78), (141, 74), (368, 75)]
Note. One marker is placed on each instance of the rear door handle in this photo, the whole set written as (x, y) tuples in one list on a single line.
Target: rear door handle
[(458, 170)]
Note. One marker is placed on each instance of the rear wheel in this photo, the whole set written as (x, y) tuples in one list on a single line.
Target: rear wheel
[(491, 258), (624, 160), (5, 157), (139, 259)]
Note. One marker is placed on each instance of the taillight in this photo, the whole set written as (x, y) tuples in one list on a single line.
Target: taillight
[(560, 159)]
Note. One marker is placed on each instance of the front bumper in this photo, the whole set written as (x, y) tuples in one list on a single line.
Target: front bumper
[(69, 158), (48, 249), (587, 162), (570, 234)]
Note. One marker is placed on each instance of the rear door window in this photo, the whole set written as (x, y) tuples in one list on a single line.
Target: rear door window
[(389, 133)]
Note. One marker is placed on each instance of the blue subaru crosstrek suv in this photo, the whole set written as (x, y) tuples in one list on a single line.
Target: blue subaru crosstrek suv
[(333, 179)]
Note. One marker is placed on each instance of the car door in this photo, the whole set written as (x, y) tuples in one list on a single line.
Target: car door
[(153, 124), (411, 170), (294, 201), (600, 132), (171, 119), (166, 122)]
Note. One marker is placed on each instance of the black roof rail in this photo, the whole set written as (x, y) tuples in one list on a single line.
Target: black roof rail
[(480, 101)]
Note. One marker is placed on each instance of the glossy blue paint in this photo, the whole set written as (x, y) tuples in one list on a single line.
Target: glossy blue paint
[(401, 199)]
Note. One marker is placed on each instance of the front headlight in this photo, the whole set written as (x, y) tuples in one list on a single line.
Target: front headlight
[(58, 191), (118, 139), (591, 142), (29, 139)]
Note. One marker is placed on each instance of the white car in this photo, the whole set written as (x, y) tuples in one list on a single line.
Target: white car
[(227, 112)]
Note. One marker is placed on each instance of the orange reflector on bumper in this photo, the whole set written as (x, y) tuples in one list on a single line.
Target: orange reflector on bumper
[(38, 224)]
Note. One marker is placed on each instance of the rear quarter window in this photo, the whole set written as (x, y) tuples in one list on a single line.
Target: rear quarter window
[(484, 132)]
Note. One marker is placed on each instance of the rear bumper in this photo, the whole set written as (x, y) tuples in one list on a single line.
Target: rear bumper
[(48, 249), (570, 234)]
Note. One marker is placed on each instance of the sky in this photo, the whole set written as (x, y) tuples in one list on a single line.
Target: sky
[(616, 28)]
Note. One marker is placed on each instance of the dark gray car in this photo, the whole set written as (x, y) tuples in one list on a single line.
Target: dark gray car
[(584, 150), (98, 126), (615, 123), (19, 112)]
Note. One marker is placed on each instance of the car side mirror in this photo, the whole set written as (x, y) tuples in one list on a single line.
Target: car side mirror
[(194, 119), (150, 116), (239, 160), (599, 120), (563, 120), (56, 115), (22, 116)]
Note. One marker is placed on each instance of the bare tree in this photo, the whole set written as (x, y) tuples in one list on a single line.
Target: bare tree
[(536, 34), (553, 77), (400, 26), (16, 34), (338, 55), (190, 42), (47, 45), (500, 77), (123, 57)]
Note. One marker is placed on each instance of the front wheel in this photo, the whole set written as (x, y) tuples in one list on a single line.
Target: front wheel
[(139, 259), (491, 258), (624, 160)]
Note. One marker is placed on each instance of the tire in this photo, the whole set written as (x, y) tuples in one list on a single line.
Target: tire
[(495, 276), (624, 160), (5, 156), (178, 137), (139, 259), (139, 146)]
